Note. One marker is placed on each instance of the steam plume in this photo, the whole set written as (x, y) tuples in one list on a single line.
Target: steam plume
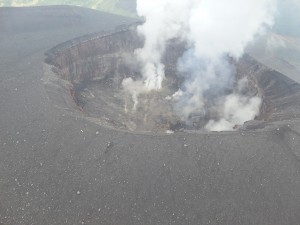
[(165, 20), (213, 31)]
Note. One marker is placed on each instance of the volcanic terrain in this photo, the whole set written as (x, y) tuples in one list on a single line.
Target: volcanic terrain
[(69, 154)]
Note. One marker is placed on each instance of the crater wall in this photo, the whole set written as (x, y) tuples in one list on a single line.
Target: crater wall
[(104, 60)]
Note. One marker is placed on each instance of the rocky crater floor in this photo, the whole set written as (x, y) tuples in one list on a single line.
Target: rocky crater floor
[(88, 74)]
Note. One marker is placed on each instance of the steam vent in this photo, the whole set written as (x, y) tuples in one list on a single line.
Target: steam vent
[(84, 76), (74, 151)]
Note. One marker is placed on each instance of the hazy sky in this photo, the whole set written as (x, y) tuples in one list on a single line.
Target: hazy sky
[(287, 20)]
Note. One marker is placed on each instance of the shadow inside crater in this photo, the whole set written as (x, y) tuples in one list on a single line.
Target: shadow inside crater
[(90, 71)]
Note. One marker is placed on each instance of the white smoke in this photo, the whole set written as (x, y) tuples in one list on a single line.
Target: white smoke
[(226, 27), (164, 20), (214, 31), (235, 109)]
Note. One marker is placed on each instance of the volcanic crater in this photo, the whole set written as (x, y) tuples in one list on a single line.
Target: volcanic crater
[(85, 75)]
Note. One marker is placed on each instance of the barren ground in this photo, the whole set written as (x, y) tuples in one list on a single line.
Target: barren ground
[(56, 167)]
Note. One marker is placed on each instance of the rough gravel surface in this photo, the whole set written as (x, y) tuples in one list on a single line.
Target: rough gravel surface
[(57, 168)]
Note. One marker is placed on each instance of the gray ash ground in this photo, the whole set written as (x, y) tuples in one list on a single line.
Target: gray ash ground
[(59, 168)]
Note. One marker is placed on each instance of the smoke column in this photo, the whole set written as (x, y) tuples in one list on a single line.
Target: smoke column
[(213, 32), (164, 20)]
